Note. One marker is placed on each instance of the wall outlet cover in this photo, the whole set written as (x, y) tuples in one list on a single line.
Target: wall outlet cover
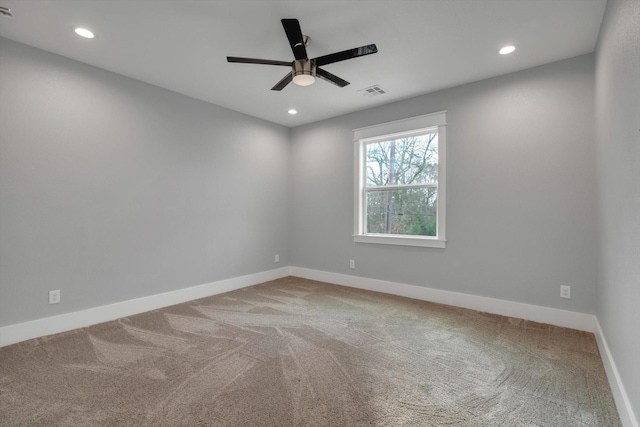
[(54, 297)]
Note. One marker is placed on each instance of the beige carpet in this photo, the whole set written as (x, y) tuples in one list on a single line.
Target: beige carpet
[(295, 352)]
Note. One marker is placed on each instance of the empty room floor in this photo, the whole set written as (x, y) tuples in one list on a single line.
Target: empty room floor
[(296, 352)]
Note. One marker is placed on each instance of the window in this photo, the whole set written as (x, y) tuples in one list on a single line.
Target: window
[(400, 182)]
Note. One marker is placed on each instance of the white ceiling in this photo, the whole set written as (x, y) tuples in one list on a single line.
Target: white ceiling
[(423, 46)]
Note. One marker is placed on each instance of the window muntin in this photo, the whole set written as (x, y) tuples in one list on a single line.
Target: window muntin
[(400, 183)]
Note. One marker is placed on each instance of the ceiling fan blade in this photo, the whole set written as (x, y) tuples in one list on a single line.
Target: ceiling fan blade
[(331, 78), (257, 61), (282, 83), (294, 34), (345, 54)]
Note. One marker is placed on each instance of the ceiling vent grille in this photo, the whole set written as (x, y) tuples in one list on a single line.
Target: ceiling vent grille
[(374, 90)]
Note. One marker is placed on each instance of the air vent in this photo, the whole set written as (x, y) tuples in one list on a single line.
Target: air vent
[(374, 90)]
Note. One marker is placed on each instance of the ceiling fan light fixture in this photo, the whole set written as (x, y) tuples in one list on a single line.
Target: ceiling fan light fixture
[(304, 72), (304, 79)]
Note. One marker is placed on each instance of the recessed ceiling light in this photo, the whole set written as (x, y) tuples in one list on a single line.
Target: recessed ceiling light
[(508, 49), (292, 111), (83, 32)]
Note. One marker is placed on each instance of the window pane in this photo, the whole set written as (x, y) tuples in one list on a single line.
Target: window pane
[(411, 160), (411, 211)]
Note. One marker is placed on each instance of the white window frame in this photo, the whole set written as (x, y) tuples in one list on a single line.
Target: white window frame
[(389, 131)]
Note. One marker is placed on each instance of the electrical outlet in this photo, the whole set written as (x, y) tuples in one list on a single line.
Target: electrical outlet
[(565, 291), (54, 297), (352, 263), (277, 257)]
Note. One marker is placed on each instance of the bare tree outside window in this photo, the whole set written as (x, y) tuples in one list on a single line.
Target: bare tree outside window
[(401, 185)]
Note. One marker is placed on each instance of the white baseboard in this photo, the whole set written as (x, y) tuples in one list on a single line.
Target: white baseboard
[(79, 319), (625, 410), (55, 324), (563, 318)]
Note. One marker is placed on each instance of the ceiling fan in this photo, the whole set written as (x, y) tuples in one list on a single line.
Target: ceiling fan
[(304, 70)]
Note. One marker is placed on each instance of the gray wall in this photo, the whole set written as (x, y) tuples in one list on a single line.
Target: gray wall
[(112, 189), (618, 142), (520, 191)]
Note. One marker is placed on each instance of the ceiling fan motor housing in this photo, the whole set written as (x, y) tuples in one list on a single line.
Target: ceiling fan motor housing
[(303, 72)]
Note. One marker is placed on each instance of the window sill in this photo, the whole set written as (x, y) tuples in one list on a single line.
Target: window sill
[(389, 239)]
